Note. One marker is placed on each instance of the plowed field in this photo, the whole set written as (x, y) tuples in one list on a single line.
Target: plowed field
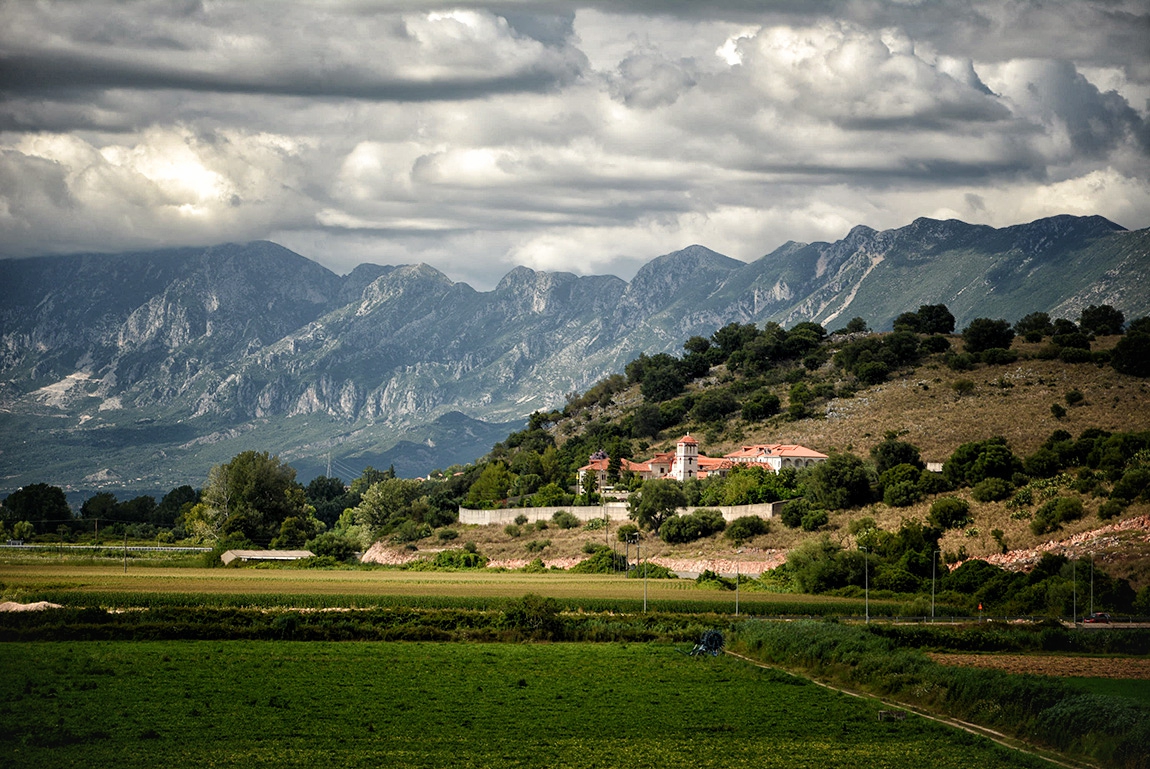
[(1049, 665)]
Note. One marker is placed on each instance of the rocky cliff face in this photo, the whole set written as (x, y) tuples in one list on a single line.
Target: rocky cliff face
[(224, 339)]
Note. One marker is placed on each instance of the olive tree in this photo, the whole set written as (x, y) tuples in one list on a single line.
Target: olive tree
[(657, 501)]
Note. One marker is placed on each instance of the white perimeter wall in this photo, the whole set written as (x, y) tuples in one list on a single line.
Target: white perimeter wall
[(614, 511)]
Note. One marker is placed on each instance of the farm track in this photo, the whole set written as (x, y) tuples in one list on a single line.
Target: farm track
[(975, 729)]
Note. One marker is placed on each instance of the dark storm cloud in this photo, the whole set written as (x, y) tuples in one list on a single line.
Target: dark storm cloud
[(74, 77)]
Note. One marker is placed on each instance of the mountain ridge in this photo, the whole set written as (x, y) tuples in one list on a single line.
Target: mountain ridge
[(259, 343)]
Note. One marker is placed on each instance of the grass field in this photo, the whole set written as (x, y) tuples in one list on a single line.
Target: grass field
[(284, 704), (1114, 687), (78, 584)]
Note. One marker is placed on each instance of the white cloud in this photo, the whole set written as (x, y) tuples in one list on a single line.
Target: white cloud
[(559, 136)]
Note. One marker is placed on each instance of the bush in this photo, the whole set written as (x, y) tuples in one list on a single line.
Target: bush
[(626, 532), (949, 513), (1111, 508), (1133, 484), (447, 535), (793, 512), (1132, 354), (1074, 355), (537, 545), (459, 559), (901, 494), (602, 561), (536, 615), (520, 519), (680, 529), (332, 545), (1056, 512), (760, 406), (997, 356), (746, 527), (985, 334), (935, 344), (992, 490), (512, 530), (651, 571), (565, 520), (815, 520)]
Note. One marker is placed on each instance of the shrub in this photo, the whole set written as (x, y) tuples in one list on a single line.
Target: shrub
[(992, 490), (459, 559), (998, 356), (1133, 484), (1043, 463), (520, 519), (1074, 355), (1054, 513), (626, 532), (1111, 508), (949, 513), (793, 512), (565, 520), (815, 520), (446, 535), (1132, 353), (602, 561), (935, 344), (651, 571), (332, 545), (985, 334), (679, 529), (872, 372), (537, 545), (1057, 411), (760, 406), (512, 530), (901, 494), (746, 527), (536, 615), (1074, 397)]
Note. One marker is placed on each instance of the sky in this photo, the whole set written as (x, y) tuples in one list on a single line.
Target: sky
[(585, 137)]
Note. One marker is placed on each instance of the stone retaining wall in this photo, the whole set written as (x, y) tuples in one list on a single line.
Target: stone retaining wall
[(614, 511)]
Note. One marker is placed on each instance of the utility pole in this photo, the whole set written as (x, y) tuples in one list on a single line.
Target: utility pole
[(933, 562), (737, 551), (125, 549), (866, 581)]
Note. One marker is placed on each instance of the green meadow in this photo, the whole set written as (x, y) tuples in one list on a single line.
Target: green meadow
[(286, 704)]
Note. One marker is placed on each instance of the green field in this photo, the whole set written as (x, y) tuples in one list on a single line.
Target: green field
[(280, 704), (77, 584), (1114, 687)]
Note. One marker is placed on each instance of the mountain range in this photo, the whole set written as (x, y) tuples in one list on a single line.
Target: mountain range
[(141, 370)]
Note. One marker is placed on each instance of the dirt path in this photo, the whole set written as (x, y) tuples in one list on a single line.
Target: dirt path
[(981, 731), (1050, 665)]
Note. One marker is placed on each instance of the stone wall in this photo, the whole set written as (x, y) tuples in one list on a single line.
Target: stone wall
[(614, 511)]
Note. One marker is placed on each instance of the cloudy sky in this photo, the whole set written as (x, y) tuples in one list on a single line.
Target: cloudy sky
[(579, 136)]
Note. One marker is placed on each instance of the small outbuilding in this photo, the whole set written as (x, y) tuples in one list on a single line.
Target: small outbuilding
[(264, 555)]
